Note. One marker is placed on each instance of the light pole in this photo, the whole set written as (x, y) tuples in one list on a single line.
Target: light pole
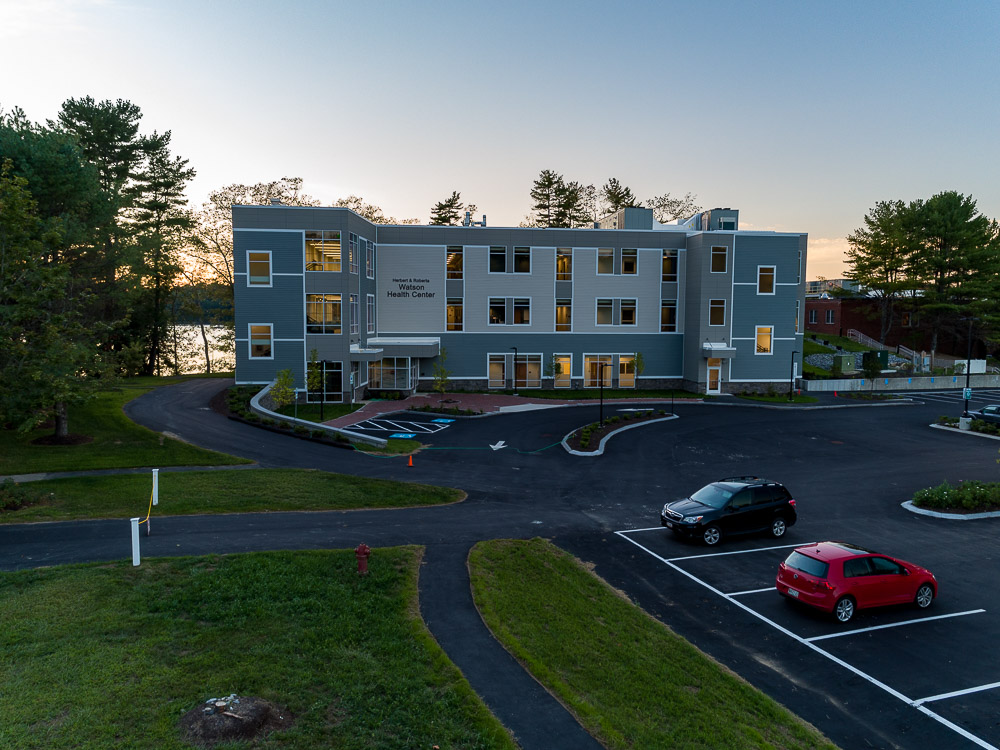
[(791, 377), (514, 378), (968, 365), (600, 372)]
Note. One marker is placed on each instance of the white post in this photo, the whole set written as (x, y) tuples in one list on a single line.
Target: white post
[(156, 486), (135, 542)]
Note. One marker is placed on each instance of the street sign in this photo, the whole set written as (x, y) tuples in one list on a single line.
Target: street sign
[(966, 393)]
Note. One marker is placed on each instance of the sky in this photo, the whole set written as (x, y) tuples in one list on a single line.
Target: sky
[(802, 115)]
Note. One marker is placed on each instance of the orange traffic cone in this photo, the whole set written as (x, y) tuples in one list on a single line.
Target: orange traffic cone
[(411, 461)]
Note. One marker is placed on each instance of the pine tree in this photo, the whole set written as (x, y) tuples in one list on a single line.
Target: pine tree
[(617, 196), (449, 211), (545, 192)]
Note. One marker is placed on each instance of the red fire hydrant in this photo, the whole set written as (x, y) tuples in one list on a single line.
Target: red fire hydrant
[(362, 552)]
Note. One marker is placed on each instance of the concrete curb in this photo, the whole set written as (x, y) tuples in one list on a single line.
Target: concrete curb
[(600, 447), (908, 505), (964, 432)]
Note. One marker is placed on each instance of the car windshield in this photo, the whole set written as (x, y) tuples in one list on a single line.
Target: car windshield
[(713, 495), (806, 564)]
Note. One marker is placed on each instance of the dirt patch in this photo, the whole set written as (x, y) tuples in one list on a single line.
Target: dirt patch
[(67, 440), (232, 719)]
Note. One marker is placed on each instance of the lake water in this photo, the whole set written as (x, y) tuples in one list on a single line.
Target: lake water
[(190, 351)]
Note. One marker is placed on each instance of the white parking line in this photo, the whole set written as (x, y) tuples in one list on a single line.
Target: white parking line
[(752, 591), (895, 624), (957, 693), (720, 554), (863, 675)]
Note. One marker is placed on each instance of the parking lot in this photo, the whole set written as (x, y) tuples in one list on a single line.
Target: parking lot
[(941, 661), (403, 428), (980, 396)]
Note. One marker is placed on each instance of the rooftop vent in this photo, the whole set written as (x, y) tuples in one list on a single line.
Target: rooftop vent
[(275, 201)]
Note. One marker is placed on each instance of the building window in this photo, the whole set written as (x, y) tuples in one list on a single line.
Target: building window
[(371, 313), (370, 260), (498, 260), (798, 280), (630, 263), (259, 268), (260, 341), (628, 312), (719, 257), (562, 365), (605, 260), (355, 313), (331, 382), (594, 366), (605, 310), (717, 312), (323, 313), (454, 313), (626, 371), (764, 336), (323, 251), (522, 312), (497, 376), (829, 317), (669, 264), (668, 315), (498, 311), (389, 373), (564, 315), (765, 279), (727, 225), (454, 263), (564, 264), (798, 309), (528, 371), (522, 260), (353, 255), (812, 316)]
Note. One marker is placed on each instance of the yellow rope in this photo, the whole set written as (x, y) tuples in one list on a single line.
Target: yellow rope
[(148, 512)]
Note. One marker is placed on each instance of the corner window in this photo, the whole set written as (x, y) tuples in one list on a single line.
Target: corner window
[(562, 370), (564, 315), (371, 313), (454, 313), (323, 313), (669, 264), (605, 310), (765, 279), (455, 263), (354, 252), (498, 311), (498, 260), (370, 260), (764, 336), (259, 268), (829, 317), (719, 259), (260, 341), (331, 382), (717, 312), (355, 314), (323, 251), (628, 312), (630, 264), (564, 264), (668, 315), (605, 260), (522, 260)]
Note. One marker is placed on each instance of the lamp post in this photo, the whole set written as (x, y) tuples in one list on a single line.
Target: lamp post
[(791, 377), (600, 372), (968, 366), (514, 378)]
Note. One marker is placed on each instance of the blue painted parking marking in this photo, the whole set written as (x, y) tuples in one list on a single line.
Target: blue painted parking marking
[(404, 435), (443, 421)]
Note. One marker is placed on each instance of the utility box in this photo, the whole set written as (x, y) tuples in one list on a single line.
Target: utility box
[(882, 357), (843, 363)]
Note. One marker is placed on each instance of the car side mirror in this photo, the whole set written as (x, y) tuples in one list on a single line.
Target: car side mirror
[(906, 572)]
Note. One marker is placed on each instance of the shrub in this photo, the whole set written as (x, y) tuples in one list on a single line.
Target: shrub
[(13, 496), (971, 495), (284, 425), (300, 429), (318, 434), (987, 428)]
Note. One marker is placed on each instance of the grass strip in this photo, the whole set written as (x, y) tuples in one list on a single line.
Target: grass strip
[(183, 493), (779, 398), (118, 442), (631, 681), (101, 656)]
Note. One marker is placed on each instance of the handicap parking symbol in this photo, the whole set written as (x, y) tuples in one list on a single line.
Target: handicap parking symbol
[(404, 435), (443, 421)]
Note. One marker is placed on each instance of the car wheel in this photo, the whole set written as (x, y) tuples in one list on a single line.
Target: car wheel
[(843, 610), (778, 527), (924, 597), (711, 535)]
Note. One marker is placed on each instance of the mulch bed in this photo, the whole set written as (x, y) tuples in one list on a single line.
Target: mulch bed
[(71, 439), (598, 434)]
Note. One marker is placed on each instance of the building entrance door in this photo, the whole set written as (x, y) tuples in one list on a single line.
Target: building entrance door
[(714, 376)]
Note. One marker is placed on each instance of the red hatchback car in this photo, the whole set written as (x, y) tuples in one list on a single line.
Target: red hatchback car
[(841, 578)]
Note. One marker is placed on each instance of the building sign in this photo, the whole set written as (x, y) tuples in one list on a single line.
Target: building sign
[(411, 289)]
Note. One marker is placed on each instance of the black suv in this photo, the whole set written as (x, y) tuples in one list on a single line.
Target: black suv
[(737, 505)]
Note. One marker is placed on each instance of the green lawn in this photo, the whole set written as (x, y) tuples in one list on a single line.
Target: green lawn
[(111, 656), (849, 345), (313, 412), (250, 490), (117, 441), (780, 398), (632, 682)]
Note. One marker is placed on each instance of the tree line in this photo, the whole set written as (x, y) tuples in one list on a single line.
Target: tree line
[(938, 258)]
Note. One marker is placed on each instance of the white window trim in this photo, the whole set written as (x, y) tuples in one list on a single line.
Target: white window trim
[(556, 267), (489, 264), (513, 305), (597, 301), (621, 262), (774, 280), (370, 267), (756, 333), (635, 309), (531, 265), (677, 265), (674, 300), (354, 313), (711, 258), (270, 328), (569, 375), (270, 270), (813, 316), (370, 312), (597, 262), (829, 318), (723, 323)]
